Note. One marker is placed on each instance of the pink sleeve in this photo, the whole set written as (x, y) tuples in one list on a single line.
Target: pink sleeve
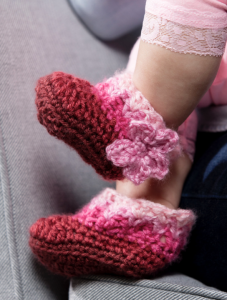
[(196, 13), (188, 26)]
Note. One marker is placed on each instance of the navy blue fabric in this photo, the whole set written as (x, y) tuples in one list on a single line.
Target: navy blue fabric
[(205, 192)]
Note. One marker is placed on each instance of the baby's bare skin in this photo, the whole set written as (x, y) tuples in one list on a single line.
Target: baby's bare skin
[(173, 82), (166, 192)]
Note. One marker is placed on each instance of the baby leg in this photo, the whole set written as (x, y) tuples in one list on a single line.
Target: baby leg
[(176, 75), (167, 191), (174, 82)]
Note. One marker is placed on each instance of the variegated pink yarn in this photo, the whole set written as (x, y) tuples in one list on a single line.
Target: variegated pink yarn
[(143, 154), (112, 234), (144, 143), (140, 220)]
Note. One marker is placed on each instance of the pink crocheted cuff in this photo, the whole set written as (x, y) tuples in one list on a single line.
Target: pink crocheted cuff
[(144, 143), (147, 223)]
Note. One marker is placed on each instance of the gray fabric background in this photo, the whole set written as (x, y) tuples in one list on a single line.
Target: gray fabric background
[(110, 19), (40, 175), (212, 118), (119, 288)]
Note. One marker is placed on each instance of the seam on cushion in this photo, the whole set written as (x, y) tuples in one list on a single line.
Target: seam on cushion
[(212, 127), (206, 294), (9, 207), (9, 218)]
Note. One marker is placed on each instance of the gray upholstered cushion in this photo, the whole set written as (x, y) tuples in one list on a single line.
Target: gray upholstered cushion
[(171, 287), (40, 175), (110, 19)]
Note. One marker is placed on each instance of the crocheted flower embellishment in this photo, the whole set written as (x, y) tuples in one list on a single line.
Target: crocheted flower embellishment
[(144, 153)]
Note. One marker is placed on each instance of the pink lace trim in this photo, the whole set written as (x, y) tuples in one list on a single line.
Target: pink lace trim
[(196, 13), (181, 38)]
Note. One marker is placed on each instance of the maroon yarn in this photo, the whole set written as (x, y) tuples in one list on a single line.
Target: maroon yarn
[(69, 248), (71, 111)]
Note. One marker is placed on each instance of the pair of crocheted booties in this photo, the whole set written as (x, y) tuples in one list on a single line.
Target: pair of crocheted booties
[(114, 129)]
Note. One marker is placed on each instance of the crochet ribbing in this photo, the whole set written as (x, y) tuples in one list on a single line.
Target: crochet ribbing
[(112, 234), (111, 125), (71, 111)]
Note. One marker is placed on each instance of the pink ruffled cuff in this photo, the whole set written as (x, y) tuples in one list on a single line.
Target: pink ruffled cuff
[(144, 143)]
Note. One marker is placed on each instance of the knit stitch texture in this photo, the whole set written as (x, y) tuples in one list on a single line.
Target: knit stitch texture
[(112, 234), (111, 125)]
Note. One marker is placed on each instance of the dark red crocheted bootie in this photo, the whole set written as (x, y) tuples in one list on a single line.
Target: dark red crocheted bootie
[(111, 125), (112, 234)]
